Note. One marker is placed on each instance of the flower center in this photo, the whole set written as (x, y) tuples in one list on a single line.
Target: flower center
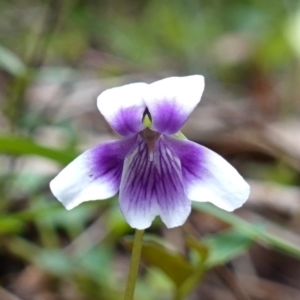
[(150, 138), (147, 120)]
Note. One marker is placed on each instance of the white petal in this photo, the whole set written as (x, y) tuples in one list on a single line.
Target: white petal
[(123, 107), (170, 101), (94, 175), (208, 177)]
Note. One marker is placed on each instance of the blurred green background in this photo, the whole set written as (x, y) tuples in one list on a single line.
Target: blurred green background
[(57, 56)]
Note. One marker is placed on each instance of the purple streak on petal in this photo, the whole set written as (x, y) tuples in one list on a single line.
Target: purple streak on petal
[(128, 122), (150, 188), (191, 156), (167, 117)]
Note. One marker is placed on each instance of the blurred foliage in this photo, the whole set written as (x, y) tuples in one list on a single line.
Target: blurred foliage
[(251, 48)]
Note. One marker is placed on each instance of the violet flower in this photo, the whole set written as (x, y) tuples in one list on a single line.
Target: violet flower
[(155, 170)]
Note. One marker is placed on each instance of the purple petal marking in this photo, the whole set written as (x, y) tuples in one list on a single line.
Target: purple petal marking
[(128, 122), (168, 117), (107, 160), (95, 174), (207, 176), (123, 107), (170, 101), (150, 188)]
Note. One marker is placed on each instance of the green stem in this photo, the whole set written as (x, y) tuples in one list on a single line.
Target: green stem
[(134, 264)]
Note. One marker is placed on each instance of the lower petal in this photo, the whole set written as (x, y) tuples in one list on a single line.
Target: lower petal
[(209, 177), (151, 188), (95, 174)]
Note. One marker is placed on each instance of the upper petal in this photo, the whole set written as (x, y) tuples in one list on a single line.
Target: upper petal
[(151, 188), (123, 107), (95, 174), (209, 177), (170, 101)]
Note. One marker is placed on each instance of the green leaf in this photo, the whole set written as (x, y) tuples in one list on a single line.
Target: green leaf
[(199, 270), (225, 246), (25, 146), (214, 250), (201, 248), (173, 264)]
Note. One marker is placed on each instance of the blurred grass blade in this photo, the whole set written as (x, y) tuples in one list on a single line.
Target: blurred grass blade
[(10, 224), (25, 146), (10, 62), (252, 231)]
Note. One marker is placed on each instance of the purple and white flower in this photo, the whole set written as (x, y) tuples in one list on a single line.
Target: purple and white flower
[(154, 169)]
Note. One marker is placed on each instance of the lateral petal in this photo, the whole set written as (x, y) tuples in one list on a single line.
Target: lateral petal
[(208, 177), (171, 100), (151, 188), (95, 174), (123, 108)]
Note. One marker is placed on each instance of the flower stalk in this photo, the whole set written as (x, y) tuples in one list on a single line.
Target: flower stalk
[(134, 264)]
